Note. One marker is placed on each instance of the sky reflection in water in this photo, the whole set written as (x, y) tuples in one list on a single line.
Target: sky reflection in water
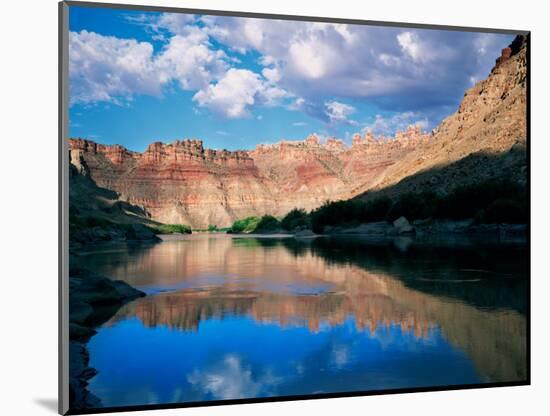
[(253, 319)]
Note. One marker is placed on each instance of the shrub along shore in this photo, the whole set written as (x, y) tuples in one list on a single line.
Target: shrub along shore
[(491, 202)]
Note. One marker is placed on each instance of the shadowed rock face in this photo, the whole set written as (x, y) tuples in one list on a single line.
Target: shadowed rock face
[(93, 299), (183, 182)]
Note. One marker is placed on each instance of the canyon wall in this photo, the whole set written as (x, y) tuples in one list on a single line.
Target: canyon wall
[(183, 182)]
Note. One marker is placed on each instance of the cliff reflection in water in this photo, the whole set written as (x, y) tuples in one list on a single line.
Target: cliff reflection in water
[(475, 295)]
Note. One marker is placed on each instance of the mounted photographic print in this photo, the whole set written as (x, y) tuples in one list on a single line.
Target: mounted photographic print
[(267, 207)]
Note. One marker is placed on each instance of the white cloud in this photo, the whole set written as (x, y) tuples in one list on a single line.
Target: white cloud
[(297, 104), (271, 74), (299, 124), (176, 23), (233, 94), (389, 60), (338, 112), (190, 60), (236, 92), (310, 59), (315, 60), (109, 69), (387, 126), (345, 32), (410, 44), (105, 68), (272, 96)]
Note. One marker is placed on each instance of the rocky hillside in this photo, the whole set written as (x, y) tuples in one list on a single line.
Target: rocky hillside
[(484, 139), (185, 183), (97, 214)]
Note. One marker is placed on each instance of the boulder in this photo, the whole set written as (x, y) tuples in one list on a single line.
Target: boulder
[(305, 234), (402, 226)]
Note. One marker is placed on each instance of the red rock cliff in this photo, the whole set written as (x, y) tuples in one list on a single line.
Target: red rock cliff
[(182, 182)]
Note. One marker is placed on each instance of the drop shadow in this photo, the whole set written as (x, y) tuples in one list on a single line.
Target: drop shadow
[(48, 404)]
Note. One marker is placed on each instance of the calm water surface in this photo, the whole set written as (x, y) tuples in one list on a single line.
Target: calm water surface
[(229, 318)]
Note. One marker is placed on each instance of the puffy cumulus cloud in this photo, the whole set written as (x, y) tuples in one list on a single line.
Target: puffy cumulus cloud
[(110, 69), (105, 68), (339, 112), (177, 23), (236, 91), (271, 74), (232, 94), (311, 58), (387, 126), (189, 59)]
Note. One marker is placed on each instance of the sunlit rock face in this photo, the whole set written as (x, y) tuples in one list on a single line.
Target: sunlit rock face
[(183, 182)]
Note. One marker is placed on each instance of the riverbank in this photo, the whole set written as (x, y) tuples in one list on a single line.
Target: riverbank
[(429, 227), (419, 229), (93, 300), (179, 237)]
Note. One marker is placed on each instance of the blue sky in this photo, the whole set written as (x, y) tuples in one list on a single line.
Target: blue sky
[(138, 77)]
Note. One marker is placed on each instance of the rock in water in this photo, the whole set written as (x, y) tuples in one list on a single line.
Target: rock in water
[(305, 234), (402, 226)]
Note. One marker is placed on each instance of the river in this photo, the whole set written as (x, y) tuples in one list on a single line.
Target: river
[(229, 317)]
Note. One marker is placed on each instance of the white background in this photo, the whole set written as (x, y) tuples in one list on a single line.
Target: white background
[(28, 204)]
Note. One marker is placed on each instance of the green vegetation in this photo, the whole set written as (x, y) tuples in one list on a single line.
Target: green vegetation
[(297, 218), (487, 203), (265, 224), (81, 222), (349, 213), (504, 210), (94, 228), (268, 223), (246, 225), (170, 228), (211, 229)]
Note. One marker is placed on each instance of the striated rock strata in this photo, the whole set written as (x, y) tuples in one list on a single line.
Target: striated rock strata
[(183, 182)]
